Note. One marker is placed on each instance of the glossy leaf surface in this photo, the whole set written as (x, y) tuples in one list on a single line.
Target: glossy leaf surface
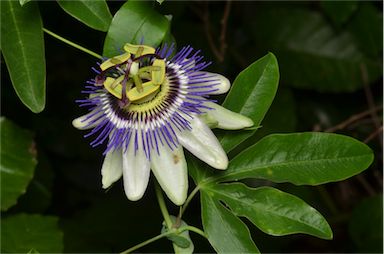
[(23, 233), (136, 21), (94, 14), (18, 161), (38, 196), (301, 158), (251, 95), (22, 46), (225, 231), (271, 210), (22, 2), (281, 118)]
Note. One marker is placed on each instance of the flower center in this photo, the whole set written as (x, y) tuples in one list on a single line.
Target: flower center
[(135, 76)]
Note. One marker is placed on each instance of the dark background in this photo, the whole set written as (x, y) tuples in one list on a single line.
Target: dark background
[(312, 97)]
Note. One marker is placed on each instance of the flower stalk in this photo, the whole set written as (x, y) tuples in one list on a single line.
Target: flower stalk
[(163, 207), (72, 44)]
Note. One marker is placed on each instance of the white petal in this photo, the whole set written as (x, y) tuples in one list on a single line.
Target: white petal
[(203, 144), (136, 169), (83, 122), (112, 168), (222, 84), (170, 170), (226, 119)]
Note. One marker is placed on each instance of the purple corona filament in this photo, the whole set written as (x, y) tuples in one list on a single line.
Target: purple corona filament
[(150, 125)]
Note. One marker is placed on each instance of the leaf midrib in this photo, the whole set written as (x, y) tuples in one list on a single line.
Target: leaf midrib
[(212, 179), (24, 59), (257, 83), (293, 162), (94, 13)]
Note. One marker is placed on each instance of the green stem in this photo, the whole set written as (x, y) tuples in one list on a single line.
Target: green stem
[(72, 44), (147, 242), (193, 229), (189, 198), (158, 237), (162, 205)]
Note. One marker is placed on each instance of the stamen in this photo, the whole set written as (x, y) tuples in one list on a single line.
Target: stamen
[(146, 89), (158, 76), (138, 50), (138, 83), (113, 86), (147, 98), (115, 61)]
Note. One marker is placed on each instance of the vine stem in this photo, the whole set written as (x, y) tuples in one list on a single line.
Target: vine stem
[(72, 44), (158, 237), (168, 221), (189, 198), (162, 205), (153, 239)]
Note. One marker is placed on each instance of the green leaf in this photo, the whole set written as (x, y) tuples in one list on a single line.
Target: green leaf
[(22, 45), (198, 170), (18, 161), (311, 53), (301, 158), (281, 118), (135, 21), (251, 95), (22, 2), (272, 211), (339, 12), (33, 251), (39, 192), (225, 231), (94, 14), (24, 233), (366, 225)]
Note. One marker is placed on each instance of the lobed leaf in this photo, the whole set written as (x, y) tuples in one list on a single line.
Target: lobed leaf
[(22, 46), (17, 162), (134, 22), (272, 211), (225, 231), (251, 95), (94, 14), (24, 233), (301, 158)]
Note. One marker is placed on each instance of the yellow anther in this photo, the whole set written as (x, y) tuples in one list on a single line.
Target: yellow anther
[(148, 88), (158, 74), (138, 50), (114, 61), (113, 86)]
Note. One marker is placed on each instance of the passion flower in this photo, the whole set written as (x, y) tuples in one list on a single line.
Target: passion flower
[(148, 104)]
